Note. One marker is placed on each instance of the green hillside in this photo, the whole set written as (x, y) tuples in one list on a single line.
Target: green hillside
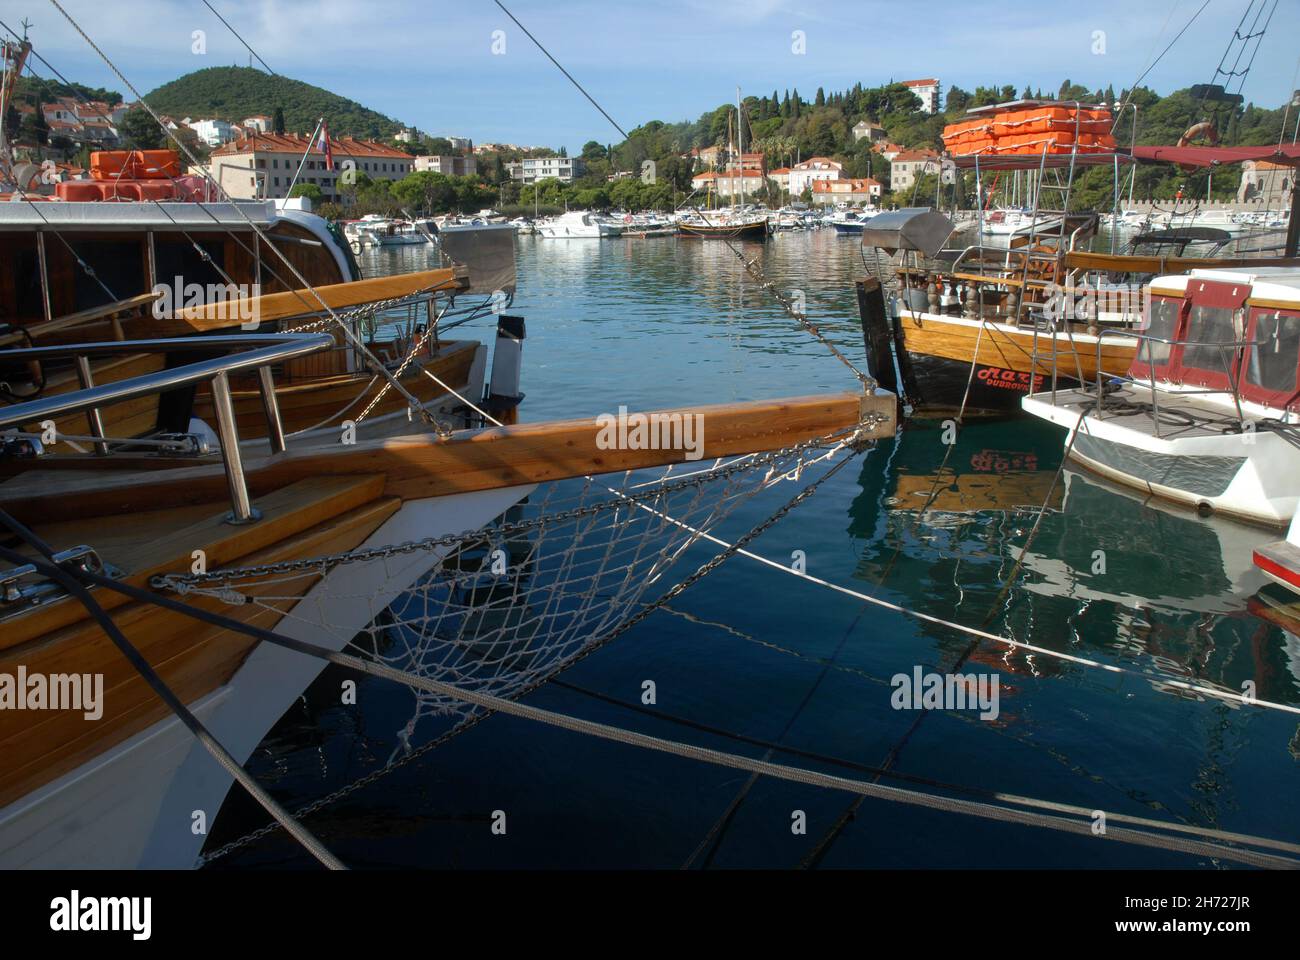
[(234, 93)]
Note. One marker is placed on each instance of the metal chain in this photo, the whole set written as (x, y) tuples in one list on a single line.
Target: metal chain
[(346, 790), (474, 719), (184, 583), (754, 270)]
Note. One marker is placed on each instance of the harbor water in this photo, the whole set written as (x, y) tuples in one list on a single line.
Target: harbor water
[(756, 661)]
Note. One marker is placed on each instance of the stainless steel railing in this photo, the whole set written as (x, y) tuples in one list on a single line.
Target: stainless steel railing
[(266, 349), (1225, 349)]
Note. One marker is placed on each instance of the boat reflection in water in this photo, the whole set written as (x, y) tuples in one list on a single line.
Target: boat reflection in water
[(1107, 575)]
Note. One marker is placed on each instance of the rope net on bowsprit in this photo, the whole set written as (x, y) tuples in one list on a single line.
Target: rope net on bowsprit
[(502, 608)]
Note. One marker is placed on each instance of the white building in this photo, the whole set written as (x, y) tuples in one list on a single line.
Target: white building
[(264, 165), (802, 175), (260, 123), (928, 91), (213, 132), (461, 144), (729, 183), (860, 190), (564, 169), (866, 130), (909, 165), (451, 166)]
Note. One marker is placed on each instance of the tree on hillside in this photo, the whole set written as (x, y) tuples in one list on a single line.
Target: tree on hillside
[(34, 126), (141, 131), (277, 125)]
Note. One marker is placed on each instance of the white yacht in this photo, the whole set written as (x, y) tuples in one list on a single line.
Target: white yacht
[(1207, 415), (578, 225), (374, 230)]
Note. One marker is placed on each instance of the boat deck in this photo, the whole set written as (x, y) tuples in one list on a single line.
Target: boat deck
[(1181, 415)]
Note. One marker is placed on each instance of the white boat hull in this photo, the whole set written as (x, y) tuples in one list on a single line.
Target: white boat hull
[(1248, 475)]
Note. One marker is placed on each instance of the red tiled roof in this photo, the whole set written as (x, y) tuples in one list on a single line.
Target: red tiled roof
[(808, 164), (779, 171), (296, 143), (931, 82), (909, 156)]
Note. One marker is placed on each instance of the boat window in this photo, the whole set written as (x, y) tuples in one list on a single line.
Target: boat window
[(1272, 360), (178, 261), (1207, 327), (1163, 324), (118, 265)]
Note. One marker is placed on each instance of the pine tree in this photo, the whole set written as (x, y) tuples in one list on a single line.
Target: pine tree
[(785, 105), (277, 125), (794, 104), (821, 97)]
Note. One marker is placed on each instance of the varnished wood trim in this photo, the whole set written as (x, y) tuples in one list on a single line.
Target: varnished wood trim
[(424, 466)]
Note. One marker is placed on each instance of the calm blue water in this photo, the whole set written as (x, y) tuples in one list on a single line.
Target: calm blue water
[(752, 653)]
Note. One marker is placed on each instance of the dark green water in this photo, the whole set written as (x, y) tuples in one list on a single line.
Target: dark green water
[(752, 653)]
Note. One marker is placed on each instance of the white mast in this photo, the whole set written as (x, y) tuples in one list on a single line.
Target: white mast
[(740, 149)]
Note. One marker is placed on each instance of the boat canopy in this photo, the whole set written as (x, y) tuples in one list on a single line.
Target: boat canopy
[(1287, 154), (912, 228)]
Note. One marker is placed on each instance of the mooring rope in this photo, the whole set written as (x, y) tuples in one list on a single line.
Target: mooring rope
[(984, 810), (75, 586)]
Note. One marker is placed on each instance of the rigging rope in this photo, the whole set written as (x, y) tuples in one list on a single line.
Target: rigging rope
[(490, 702), (360, 347), (77, 588)]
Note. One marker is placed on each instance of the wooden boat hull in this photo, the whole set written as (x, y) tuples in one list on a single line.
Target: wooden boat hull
[(120, 791), (1008, 361), (746, 231)]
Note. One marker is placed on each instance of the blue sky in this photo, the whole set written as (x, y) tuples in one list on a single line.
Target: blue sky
[(432, 63)]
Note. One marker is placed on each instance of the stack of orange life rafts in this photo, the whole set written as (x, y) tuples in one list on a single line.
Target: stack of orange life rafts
[(1018, 129), (136, 175)]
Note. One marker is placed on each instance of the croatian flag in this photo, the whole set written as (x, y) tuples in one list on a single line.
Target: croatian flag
[(323, 141)]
